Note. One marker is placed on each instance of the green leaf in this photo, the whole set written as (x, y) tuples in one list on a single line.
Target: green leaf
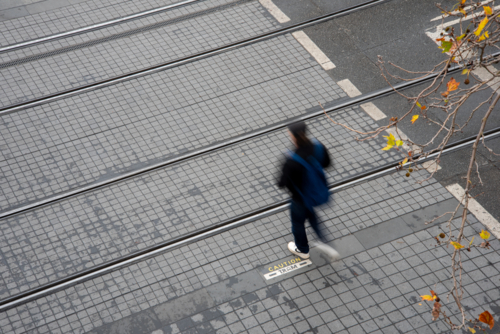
[(460, 37), (446, 46)]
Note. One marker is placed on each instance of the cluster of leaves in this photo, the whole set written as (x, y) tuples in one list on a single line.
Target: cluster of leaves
[(484, 317)]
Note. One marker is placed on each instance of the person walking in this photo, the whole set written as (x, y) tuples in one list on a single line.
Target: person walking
[(302, 174)]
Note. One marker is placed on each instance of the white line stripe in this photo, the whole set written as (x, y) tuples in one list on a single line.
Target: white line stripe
[(477, 210), (274, 11), (373, 111), (465, 8), (313, 49), (349, 88), (484, 75), (430, 166)]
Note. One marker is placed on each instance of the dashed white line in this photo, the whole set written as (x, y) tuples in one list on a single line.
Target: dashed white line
[(477, 210), (373, 111), (349, 88), (274, 11), (484, 75), (431, 166), (313, 49)]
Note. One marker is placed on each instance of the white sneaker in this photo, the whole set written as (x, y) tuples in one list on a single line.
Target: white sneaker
[(328, 252), (293, 248)]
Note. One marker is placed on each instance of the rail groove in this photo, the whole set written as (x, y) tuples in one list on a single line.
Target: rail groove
[(184, 60), (247, 218), (94, 26)]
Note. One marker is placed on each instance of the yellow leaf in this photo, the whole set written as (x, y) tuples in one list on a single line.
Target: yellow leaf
[(487, 10), (462, 11), (470, 243), (427, 297), (390, 140), (456, 245), (414, 119), (452, 85), (387, 148), (483, 36), (419, 105), (399, 142), (472, 330), (484, 235), (465, 71), (481, 26), (460, 37), (404, 161)]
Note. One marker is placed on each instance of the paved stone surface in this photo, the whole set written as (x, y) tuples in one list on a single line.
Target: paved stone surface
[(216, 285), (80, 232), (373, 288), (36, 19), (93, 136), (84, 59)]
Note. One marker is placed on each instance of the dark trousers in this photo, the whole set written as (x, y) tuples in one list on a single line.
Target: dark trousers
[(299, 213)]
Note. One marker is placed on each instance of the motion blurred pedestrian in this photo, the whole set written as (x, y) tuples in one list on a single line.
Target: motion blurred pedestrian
[(303, 175)]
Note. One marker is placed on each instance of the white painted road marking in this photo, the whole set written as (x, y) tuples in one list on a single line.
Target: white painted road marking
[(484, 75), (349, 88), (288, 269), (373, 111), (477, 210), (274, 11), (430, 166), (313, 49)]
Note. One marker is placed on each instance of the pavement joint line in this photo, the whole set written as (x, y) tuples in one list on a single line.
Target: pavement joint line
[(274, 11), (188, 59), (476, 209), (95, 26), (314, 50), (237, 221)]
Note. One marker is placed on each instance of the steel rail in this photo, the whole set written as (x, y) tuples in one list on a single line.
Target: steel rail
[(188, 59), (250, 217), (210, 148), (94, 26)]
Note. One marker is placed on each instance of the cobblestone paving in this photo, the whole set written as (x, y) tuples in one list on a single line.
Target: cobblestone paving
[(374, 289), (98, 61), (59, 239), (72, 17), (94, 136)]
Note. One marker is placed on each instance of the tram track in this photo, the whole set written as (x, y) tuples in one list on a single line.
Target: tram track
[(96, 26), (124, 34), (211, 148), (229, 224), (223, 226), (184, 60)]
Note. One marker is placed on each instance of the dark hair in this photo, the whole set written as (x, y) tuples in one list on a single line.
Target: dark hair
[(298, 130)]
